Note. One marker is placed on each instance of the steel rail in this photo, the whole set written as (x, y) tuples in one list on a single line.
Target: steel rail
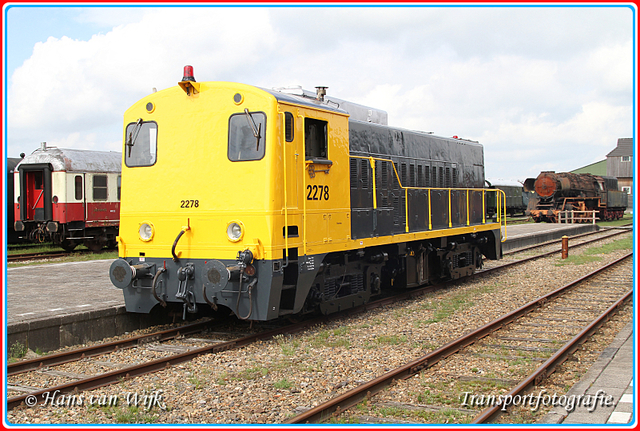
[(54, 254), (549, 366), (351, 398), (132, 371), (101, 349), (36, 256)]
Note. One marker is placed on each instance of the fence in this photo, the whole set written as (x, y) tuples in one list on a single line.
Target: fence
[(577, 216)]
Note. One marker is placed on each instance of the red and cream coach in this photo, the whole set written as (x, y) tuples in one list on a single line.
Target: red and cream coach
[(69, 197)]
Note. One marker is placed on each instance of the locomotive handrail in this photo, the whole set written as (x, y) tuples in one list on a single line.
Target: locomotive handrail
[(304, 205), (286, 207), (500, 197)]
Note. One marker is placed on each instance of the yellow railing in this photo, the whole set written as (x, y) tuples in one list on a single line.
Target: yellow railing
[(501, 201)]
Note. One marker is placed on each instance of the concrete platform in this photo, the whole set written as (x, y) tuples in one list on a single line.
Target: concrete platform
[(610, 381), (55, 305), (524, 235)]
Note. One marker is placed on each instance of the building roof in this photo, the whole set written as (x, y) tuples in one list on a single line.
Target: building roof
[(624, 148), (597, 168)]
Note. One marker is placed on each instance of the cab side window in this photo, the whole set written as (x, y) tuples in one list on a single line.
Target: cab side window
[(315, 139), (289, 126)]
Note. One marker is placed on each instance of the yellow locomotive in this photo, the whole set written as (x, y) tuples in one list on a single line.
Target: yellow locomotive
[(277, 202)]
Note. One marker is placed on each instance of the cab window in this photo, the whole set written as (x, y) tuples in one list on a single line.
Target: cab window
[(315, 139), (247, 133), (140, 143), (289, 126)]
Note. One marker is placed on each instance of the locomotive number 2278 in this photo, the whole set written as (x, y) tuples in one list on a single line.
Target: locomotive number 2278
[(317, 193), (189, 203)]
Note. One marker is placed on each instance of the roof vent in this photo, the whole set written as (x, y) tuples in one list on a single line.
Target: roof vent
[(320, 93)]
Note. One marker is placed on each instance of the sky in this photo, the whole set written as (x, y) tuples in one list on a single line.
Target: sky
[(540, 87)]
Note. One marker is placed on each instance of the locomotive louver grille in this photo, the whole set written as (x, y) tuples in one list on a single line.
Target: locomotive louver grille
[(364, 167), (353, 168), (403, 177), (396, 209), (384, 173), (394, 178)]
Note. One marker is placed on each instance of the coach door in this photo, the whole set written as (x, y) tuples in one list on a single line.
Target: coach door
[(35, 192)]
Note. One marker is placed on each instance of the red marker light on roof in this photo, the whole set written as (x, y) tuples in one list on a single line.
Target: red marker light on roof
[(455, 137), (188, 74), (188, 83)]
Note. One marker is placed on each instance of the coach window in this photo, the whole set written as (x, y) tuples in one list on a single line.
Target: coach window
[(99, 187), (315, 139), (140, 144), (78, 187), (119, 185), (247, 133)]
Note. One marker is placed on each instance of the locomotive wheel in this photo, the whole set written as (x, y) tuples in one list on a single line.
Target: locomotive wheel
[(68, 245)]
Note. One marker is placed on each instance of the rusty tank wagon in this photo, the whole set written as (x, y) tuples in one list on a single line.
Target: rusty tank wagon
[(574, 197)]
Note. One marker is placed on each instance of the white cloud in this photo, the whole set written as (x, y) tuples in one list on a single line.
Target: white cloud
[(73, 86), (531, 84)]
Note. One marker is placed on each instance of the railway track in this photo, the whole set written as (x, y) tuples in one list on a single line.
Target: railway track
[(161, 357), (80, 383), (21, 257), (567, 316)]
